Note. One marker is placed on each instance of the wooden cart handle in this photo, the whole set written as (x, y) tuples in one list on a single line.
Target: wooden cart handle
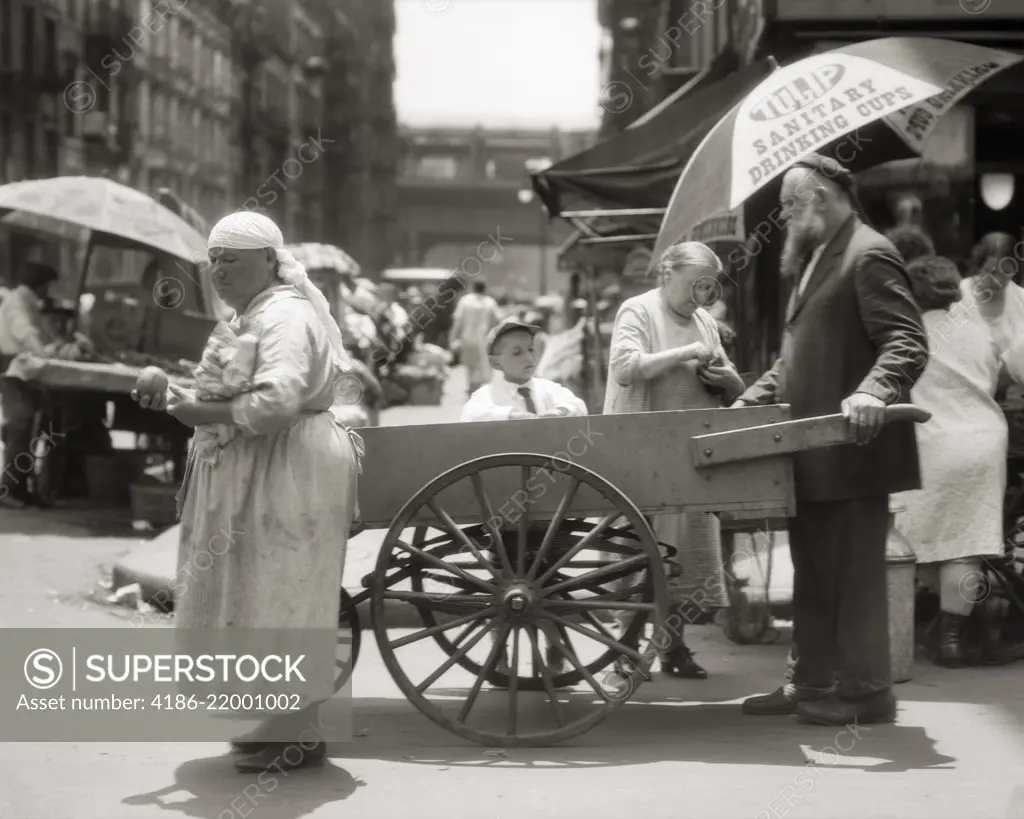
[(787, 437)]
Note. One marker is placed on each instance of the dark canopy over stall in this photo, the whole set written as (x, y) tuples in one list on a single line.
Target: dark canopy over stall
[(639, 167)]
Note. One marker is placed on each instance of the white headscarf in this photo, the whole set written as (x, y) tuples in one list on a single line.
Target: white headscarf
[(245, 230)]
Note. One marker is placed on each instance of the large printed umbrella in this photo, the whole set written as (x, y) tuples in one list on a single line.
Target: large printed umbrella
[(115, 214), (816, 102)]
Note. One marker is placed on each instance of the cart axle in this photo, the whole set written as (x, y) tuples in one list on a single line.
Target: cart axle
[(519, 603)]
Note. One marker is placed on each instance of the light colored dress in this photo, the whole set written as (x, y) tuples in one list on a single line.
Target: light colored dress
[(645, 325), (959, 512), (266, 517), (475, 315)]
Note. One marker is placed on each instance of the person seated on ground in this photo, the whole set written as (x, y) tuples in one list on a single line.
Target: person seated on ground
[(514, 393)]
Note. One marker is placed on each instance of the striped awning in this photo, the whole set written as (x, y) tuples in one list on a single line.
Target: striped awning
[(315, 256)]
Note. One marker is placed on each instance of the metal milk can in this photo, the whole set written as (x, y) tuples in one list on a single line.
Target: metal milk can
[(901, 563)]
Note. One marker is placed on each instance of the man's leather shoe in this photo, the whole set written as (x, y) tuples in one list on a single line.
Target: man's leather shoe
[(878, 708), (782, 701)]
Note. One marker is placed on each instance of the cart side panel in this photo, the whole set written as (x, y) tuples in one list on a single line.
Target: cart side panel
[(645, 455)]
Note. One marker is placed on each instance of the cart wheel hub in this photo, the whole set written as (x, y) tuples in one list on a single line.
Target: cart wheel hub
[(518, 603)]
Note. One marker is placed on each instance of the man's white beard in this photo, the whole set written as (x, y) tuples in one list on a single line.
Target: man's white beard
[(796, 252)]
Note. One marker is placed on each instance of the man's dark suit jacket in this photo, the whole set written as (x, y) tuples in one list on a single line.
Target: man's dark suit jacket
[(855, 328)]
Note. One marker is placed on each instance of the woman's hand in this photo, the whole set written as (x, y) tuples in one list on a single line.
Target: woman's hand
[(184, 407), (160, 402), (724, 378), (151, 401), (698, 351)]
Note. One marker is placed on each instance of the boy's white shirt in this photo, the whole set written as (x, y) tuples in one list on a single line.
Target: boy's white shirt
[(496, 401)]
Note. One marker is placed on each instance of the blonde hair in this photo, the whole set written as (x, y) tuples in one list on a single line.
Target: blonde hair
[(688, 254)]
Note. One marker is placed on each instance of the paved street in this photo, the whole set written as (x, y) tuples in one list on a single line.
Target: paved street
[(677, 749)]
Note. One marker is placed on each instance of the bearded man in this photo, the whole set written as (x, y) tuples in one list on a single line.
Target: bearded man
[(854, 342)]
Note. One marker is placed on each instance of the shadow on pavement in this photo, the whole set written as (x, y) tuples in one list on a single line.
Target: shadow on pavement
[(214, 789), (655, 730), (74, 519)]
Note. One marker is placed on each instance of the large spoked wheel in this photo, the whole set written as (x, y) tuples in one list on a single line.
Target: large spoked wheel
[(348, 620), (49, 456), (440, 584), (512, 589)]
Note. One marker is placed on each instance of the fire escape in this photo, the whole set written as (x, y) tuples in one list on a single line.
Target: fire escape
[(109, 126)]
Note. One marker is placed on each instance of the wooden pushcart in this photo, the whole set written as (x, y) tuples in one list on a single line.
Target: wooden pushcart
[(543, 536)]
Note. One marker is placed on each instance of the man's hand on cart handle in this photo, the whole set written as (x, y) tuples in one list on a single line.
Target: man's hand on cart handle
[(866, 415)]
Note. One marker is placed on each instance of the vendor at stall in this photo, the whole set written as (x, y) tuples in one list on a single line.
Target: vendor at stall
[(23, 328)]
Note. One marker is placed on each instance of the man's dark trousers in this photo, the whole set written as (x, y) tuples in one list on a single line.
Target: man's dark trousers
[(840, 596)]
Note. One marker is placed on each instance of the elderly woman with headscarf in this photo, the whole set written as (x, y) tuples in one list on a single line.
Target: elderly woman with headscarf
[(957, 518), (666, 354), (281, 492)]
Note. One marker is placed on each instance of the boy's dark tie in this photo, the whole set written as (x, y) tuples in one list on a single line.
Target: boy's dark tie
[(530, 406)]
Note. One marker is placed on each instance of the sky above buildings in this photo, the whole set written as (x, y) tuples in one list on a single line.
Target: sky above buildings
[(530, 63)]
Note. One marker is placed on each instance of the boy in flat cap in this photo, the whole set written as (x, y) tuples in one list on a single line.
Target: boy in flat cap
[(514, 392)]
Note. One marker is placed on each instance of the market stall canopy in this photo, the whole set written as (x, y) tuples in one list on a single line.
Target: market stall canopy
[(115, 214), (315, 256), (639, 167)]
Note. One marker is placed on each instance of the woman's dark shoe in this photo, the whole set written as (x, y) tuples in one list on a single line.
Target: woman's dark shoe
[(247, 747), (249, 743), (952, 651), (679, 662), (283, 756)]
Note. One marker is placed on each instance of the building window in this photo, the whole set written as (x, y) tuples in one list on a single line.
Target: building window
[(52, 159), (6, 34), (159, 111), (6, 145), (51, 67), (145, 111), (172, 41), (29, 134), (28, 40)]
